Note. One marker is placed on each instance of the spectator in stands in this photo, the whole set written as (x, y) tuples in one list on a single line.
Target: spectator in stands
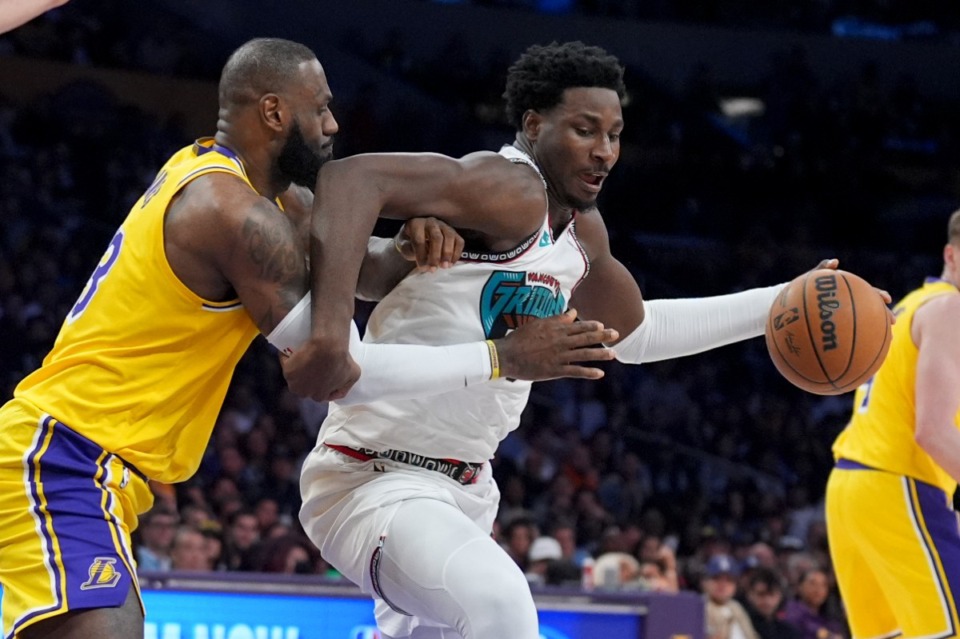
[(543, 551), (190, 551), (617, 570), (517, 537), (243, 531), (726, 618), (764, 597), (808, 612), (290, 554), (157, 529), (657, 577)]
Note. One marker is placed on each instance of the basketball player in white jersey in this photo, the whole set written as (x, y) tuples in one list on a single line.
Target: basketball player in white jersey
[(398, 495)]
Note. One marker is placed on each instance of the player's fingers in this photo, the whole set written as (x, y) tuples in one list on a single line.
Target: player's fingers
[(435, 244), (412, 231), (589, 326), (589, 338), (884, 295), (832, 264), (458, 244), (582, 372), (590, 355), (449, 252), (569, 315)]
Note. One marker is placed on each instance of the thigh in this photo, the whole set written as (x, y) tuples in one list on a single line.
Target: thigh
[(435, 566), (64, 524), (868, 611), (124, 622), (909, 544)]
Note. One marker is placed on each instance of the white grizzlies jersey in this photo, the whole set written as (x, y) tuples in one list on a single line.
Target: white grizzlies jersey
[(483, 296)]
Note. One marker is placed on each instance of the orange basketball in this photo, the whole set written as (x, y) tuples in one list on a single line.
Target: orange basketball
[(828, 332)]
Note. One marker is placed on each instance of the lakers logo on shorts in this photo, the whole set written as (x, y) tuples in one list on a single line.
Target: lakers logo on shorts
[(102, 573)]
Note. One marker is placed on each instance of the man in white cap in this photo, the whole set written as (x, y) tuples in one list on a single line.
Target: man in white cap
[(543, 550)]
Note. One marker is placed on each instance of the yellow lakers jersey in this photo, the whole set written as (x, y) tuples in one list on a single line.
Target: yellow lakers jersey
[(881, 431), (142, 364)]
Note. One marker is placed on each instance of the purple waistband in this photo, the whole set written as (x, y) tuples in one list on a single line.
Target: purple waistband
[(849, 464)]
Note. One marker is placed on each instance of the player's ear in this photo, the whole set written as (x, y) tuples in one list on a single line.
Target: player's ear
[(272, 111), (532, 121)]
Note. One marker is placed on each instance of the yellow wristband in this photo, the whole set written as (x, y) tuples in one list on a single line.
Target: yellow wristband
[(494, 359)]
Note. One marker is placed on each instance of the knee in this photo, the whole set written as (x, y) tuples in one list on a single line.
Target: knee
[(509, 595)]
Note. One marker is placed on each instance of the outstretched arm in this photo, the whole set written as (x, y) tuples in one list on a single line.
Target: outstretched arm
[(14, 13), (662, 329), (483, 192)]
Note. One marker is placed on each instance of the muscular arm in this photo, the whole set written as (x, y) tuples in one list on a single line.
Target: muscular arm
[(609, 294), (222, 239), (660, 329), (383, 268), (14, 13), (483, 192), (938, 381)]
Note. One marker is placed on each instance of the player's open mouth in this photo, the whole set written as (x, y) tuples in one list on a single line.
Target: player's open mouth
[(592, 180)]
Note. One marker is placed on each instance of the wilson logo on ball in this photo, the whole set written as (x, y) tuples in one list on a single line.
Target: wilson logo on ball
[(827, 303)]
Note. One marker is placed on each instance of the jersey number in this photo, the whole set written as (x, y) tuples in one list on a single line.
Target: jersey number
[(867, 387), (106, 263)]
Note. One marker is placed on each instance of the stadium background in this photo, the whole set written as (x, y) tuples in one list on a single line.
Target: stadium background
[(760, 138)]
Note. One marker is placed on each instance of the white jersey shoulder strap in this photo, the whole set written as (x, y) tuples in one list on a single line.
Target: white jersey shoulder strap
[(517, 156)]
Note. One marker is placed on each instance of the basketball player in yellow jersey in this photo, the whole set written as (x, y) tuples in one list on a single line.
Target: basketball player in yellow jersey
[(205, 260), (892, 529)]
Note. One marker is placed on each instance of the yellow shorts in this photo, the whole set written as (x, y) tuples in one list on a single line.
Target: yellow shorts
[(67, 508), (895, 544)]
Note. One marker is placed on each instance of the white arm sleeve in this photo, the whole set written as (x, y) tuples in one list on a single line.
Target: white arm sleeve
[(393, 371), (679, 327)]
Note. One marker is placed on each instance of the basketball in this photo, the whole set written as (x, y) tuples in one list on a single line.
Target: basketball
[(828, 332)]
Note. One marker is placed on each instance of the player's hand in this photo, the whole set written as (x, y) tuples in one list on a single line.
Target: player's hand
[(831, 264), (429, 242), (322, 369), (834, 264), (553, 347)]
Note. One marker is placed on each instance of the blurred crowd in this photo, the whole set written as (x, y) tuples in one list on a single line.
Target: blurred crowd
[(928, 19), (704, 473)]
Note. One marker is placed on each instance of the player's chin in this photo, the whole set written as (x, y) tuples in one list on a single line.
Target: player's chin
[(584, 203)]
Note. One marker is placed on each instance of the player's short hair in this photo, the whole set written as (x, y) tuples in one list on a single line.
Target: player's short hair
[(953, 229), (539, 77), (260, 66)]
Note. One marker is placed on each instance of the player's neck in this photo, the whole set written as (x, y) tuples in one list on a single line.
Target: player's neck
[(257, 169), (946, 277), (560, 212)]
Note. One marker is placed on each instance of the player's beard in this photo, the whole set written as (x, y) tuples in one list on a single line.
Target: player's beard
[(298, 162)]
